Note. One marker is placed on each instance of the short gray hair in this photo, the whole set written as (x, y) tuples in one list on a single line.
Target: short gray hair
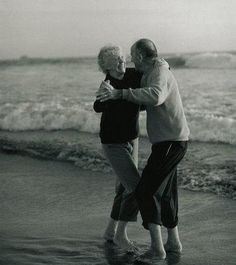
[(106, 56), (147, 48)]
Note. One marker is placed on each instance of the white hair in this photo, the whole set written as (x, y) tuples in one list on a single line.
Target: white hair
[(107, 55)]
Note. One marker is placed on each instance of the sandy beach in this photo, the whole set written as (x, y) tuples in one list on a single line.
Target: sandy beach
[(56, 186), (55, 212)]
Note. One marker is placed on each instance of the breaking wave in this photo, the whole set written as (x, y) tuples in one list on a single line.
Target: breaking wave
[(204, 127), (204, 60)]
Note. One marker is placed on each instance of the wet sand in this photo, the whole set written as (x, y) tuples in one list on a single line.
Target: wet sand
[(55, 213), (206, 166)]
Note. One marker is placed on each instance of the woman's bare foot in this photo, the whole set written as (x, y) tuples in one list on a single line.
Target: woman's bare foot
[(121, 238), (110, 230), (125, 244), (108, 236)]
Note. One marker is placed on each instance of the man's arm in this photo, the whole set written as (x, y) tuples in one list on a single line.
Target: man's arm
[(154, 94), (107, 91), (101, 105)]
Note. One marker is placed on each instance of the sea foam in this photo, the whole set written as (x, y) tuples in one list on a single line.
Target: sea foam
[(204, 127), (211, 60), (47, 116)]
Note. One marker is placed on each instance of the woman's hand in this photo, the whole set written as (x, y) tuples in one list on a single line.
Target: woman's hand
[(107, 91)]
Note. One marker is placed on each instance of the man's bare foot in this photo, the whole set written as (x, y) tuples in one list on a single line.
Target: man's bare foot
[(173, 247), (173, 243), (155, 253)]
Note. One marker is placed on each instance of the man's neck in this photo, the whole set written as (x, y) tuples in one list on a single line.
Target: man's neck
[(147, 67)]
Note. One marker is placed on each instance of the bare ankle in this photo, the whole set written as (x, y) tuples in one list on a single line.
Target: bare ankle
[(155, 252), (110, 230), (171, 246), (121, 238), (158, 248)]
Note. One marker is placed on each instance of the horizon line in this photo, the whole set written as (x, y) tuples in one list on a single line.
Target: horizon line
[(26, 57)]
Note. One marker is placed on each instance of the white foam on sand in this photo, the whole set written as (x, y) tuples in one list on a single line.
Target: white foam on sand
[(206, 166)]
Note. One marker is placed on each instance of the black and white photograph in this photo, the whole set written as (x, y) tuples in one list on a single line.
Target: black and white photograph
[(117, 132)]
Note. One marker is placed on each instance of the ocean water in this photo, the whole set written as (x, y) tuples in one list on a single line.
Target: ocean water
[(55, 213), (47, 94)]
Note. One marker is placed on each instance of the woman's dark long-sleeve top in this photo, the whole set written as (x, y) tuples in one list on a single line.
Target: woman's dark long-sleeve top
[(119, 120)]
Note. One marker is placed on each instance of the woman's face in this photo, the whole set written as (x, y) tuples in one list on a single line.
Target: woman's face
[(120, 66), (118, 63)]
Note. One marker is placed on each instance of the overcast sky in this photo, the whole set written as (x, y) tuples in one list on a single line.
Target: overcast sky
[(59, 28)]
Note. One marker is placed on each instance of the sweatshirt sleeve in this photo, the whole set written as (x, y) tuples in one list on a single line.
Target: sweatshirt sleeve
[(99, 106), (154, 94)]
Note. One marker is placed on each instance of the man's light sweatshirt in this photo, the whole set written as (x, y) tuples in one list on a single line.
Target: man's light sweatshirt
[(159, 92)]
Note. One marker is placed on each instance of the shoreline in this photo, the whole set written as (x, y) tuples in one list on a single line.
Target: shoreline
[(55, 213), (208, 167)]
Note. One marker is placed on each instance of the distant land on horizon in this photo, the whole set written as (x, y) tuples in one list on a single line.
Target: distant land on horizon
[(174, 59), (75, 58)]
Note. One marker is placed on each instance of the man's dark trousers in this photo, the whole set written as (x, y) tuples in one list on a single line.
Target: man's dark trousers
[(157, 193)]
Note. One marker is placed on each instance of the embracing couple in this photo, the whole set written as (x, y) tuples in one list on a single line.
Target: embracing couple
[(124, 92)]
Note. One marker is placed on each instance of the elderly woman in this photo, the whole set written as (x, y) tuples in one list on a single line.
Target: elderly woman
[(119, 130)]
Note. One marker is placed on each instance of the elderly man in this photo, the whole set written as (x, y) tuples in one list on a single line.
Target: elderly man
[(168, 132)]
